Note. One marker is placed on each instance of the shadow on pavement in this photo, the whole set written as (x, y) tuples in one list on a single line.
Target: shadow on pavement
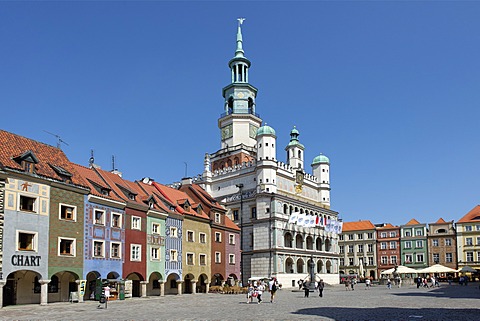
[(472, 292), (391, 314)]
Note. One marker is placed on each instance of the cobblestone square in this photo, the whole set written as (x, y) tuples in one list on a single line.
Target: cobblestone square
[(378, 303)]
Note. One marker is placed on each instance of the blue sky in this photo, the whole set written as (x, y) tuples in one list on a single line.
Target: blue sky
[(388, 90)]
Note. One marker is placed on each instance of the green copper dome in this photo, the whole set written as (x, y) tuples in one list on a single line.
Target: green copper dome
[(266, 130), (320, 159)]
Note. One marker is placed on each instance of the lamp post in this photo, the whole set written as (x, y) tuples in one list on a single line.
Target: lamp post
[(364, 267), (311, 286), (240, 187)]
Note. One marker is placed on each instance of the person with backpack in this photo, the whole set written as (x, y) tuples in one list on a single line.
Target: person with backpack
[(273, 287), (320, 287)]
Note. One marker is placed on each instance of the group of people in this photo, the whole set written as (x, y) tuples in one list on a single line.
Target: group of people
[(319, 286), (427, 282), (255, 289)]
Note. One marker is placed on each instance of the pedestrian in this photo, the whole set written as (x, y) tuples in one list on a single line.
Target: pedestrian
[(367, 283), (260, 290), (306, 289), (320, 287), (300, 284), (250, 291), (347, 284), (449, 280), (273, 286), (352, 283), (389, 284)]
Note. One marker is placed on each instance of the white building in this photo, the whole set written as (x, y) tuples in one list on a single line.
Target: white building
[(262, 192)]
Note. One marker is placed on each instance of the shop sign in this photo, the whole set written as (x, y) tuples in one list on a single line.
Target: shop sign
[(26, 260)]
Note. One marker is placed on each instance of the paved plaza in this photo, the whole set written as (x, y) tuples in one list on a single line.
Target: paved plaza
[(379, 303)]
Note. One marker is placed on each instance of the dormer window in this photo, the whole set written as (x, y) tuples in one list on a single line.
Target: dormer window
[(105, 192), (28, 166), (150, 205), (27, 160), (131, 196)]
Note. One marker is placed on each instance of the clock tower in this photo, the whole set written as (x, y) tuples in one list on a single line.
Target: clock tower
[(239, 122)]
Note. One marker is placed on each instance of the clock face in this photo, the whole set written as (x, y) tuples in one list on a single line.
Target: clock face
[(299, 177), (253, 131), (227, 131), (240, 95)]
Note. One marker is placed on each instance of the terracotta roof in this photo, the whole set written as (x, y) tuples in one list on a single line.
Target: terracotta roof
[(413, 222), (387, 226), (440, 221), (357, 226), (152, 191), (91, 177), (230, 224), (473, 215), (49, 158)]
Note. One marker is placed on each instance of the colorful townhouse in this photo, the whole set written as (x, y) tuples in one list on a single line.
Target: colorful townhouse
[(104, 237), (388, 247), (41, 222), (357, 246), (222, 228), (468, 239), (196, 240), (442, 244), (414, 245)]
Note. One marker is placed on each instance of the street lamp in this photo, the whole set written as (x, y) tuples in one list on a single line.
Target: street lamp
[(364, 267), (240, 187)]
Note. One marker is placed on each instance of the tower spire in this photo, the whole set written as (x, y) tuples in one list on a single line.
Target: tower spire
[(239, 52)]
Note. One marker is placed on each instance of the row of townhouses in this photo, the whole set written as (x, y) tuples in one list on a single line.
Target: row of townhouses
[(368, 249), (69, 228)]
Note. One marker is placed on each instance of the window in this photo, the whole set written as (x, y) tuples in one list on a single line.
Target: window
[(116, 220), (383, 234), (393, 245), (384, 260), (342, 249), (420, 257), (370, 248), (478, 240), (155, 254), (173, 231), (98, 249), (350, 249), (190, 259), (419, 244), (370, 235), (469, 256), (360, 248), (235, 215), (218, 237), (155, 228), (173, 255), (190, 237), (254, 212), (231, 259), (342, 261), (350, 261), (468, 241), (360, 236), (203, 259), (436, 257), (99, 217), (477, 227), (340, 237), (383, 245), (393, 234), (135, 252), (67, 212), (393, 259), (408, 233), (115, 250), (27, 204), (136, 223), (418, 232), (203, 238), (468, 228), (408, 244), (408, 258), (435, 242), (231, 239), (448, 257), (217, 218), (350, 237), (370, 260), (218, 257), (66, 246), (27, 241), (448, 242)]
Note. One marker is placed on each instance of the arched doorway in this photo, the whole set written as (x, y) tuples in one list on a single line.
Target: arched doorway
[(187, 284), (217, 279), (300, 265), (132, 285), (171, 284), (154, 287), (60, 286), (289, 265), (91, 285), (202, 283), (329, 267), (319, 266), (232, 280), (18, 288)]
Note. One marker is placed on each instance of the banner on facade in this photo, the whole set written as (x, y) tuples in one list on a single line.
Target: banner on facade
[(305, 220)]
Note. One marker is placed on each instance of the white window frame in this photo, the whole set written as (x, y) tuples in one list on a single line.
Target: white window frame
[(136, 222), (190, 233), (408, 244), (218, 218), (200, 259), (119, 250), (448, 242), (103, 248), (119, 220), (204, 238), (384, 260), (34, 241), (393, 234), (74, 245), (219, 238), (468, 241), (155, 253), (231, 259), (173, 231), (218, 257), (383, 235), (409, 258), (393, 259), (35, 203), (156, 227), (419, 244), (393, 245), (192, 255), (448, 257), (231, 239), (74, 214), (173, 255), (383, 245), (135, 248), (95, 210), (435, 242)]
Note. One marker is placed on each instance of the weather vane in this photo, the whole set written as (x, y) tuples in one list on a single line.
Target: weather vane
[(241, 20)]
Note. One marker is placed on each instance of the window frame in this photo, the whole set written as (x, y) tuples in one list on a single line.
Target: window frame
[(136, 223), (73, 246), (231, 239), (231, 258), (218, 257), (156, 228), (218, 237), (173, 255), (190, 255), (119, 250), (95, 221), (112, 215), (34, 205), (190, 236), (135, 252), (74, 212), (203, 236), (34, 241), (202, 257), (157, 256), (102, 254)]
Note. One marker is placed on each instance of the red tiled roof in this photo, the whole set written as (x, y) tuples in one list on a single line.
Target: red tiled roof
[(230, 224), (357, 226), (413, 222), (152, 191), (388, 226), (440, 221), (13, 145), (473, 215)]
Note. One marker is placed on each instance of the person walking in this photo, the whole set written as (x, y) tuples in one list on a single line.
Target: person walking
[(320, 287), (352, 283), (367, 283), (389, 284), (347, 284), (260, 290), (306, 289), (272, 286)]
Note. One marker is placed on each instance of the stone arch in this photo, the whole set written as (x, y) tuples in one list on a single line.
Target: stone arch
[(154, 285), (60, 286), (300, 266), (202, 283), (18, 288), (319, 244), (309, 242), (329, 267), (187, 283), (328, 245), (299, 241), (289, 265), (134, 279), (285, 209), (217, 279), (171, 283), (91, 286), (288, 240), (319, 266)]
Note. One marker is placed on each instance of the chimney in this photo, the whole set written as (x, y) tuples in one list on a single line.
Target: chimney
[(187, 181)]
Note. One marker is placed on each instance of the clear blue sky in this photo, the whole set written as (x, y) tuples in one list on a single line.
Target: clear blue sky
[(389, 91)]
